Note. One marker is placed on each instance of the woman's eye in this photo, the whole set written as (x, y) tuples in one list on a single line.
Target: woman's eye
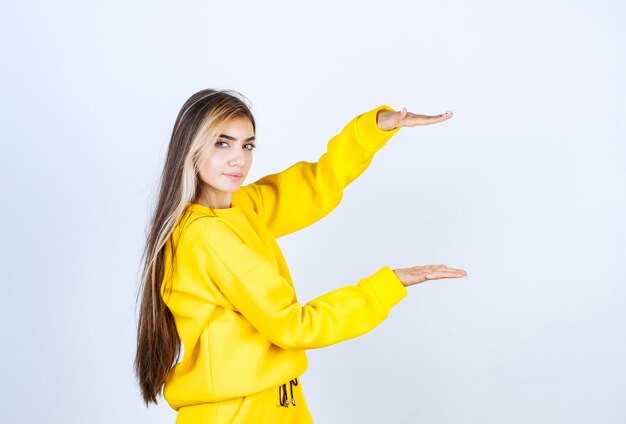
[(252, 146)]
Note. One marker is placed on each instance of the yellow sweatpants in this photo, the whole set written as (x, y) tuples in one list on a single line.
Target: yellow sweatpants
[(266, 407)]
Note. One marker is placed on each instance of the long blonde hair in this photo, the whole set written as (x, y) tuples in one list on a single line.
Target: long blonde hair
[(199, 122)]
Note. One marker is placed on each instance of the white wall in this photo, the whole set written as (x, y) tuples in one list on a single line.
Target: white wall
[(524, 188)]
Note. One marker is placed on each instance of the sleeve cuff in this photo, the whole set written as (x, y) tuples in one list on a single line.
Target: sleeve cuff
[(368, 132), (387, 287)]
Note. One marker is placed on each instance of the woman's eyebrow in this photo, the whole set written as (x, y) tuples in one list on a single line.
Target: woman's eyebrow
[(228, 137)]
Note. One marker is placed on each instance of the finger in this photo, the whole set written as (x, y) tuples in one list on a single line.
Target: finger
[(440, 266), (437, 118), (445, 268), (402, 113), (445, 274), (413, 119), (423, 268)]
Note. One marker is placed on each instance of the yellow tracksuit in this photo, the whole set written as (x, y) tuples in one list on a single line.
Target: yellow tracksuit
[(244, 333)]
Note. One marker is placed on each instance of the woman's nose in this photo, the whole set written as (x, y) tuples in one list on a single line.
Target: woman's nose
[(236, 157)]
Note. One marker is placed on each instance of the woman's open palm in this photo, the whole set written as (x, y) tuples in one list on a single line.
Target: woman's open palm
[(419, 274), (388, 120)]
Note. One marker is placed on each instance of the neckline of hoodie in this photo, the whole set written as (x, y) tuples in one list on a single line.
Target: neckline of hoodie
[(225, 212)]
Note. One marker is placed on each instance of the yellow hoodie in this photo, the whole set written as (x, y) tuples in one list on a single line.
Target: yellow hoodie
[(231, 294)]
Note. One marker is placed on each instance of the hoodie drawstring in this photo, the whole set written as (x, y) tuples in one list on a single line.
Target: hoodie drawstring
[(282, 394)]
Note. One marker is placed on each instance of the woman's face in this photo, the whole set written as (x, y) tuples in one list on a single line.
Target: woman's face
[(231, 153)]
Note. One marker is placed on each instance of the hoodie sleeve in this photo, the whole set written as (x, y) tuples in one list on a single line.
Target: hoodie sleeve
[(306, 192), (265, 298)]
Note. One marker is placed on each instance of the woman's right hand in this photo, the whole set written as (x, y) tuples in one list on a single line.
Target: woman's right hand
[(419, 274)]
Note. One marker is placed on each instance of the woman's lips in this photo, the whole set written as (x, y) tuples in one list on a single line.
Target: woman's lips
[(234, 177)]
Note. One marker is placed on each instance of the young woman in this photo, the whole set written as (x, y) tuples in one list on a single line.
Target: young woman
[(215, 280)]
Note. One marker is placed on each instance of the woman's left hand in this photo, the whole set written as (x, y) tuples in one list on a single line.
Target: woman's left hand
[(388, 120)]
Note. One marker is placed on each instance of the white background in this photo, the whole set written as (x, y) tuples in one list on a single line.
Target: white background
[(524, 188)]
